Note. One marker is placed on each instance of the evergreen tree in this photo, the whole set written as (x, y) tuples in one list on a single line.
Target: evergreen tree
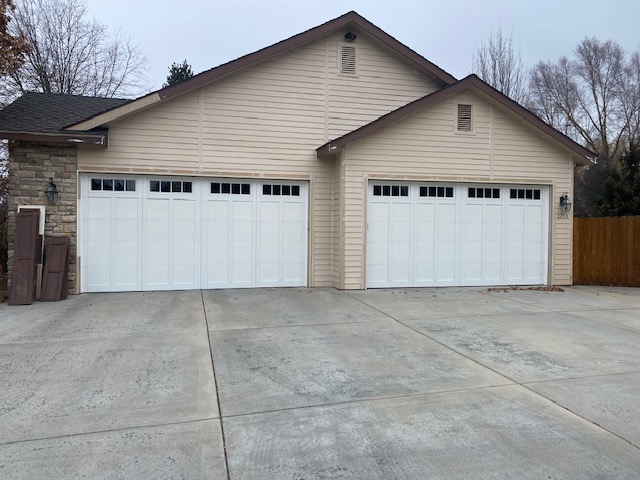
[(620, 194), (178, 73)]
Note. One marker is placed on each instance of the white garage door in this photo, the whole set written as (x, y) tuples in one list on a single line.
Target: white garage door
[(143, 233), (452, 234)]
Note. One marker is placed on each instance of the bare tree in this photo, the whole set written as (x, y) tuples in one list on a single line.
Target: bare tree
[(72, 54), (497, 63), (593, 97)]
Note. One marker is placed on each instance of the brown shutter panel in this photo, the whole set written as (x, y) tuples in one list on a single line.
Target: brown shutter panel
[(54, 279), (23, 275)]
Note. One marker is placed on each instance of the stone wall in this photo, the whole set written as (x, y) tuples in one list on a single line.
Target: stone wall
[(30, 167)]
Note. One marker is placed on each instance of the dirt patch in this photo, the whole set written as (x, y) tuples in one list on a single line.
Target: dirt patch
[(536, 289)]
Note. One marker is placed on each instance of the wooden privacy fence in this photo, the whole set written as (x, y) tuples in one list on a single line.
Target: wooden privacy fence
[(606, 251)]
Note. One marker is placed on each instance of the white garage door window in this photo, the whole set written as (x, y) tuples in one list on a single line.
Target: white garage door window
[(144, 233), (451, 234)]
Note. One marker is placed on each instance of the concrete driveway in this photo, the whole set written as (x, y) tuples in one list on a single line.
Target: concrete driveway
[(322, 384)]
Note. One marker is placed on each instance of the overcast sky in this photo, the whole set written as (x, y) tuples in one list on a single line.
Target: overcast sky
[(207, 33)]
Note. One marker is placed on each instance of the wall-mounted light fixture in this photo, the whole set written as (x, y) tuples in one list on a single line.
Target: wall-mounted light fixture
[(52, 192), (350, 36), (565, 203)]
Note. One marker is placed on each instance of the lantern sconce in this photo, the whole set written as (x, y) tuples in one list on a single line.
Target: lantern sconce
[(565, 203), (52, 192)]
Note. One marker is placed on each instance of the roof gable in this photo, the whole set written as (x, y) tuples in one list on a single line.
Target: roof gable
[(348, 20), (473, 83)]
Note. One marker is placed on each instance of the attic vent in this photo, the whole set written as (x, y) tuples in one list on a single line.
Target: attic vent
[(464, 118), (348, 59)]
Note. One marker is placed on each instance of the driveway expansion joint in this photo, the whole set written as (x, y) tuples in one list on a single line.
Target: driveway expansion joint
[(215, 381), (109, 430)]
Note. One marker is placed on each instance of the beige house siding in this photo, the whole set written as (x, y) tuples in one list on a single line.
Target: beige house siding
[(425, 147), (267, 121)]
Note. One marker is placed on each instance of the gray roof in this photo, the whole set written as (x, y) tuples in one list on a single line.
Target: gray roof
[(51, 113)]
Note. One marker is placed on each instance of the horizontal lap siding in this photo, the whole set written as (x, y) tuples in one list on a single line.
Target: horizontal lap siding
[(425, 147), (267, 121), (382, 83)]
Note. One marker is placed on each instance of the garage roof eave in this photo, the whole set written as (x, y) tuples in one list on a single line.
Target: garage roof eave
[(100, 139), (581, 154)]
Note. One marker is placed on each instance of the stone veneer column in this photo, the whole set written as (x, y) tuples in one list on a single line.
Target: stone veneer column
[(31, 164)]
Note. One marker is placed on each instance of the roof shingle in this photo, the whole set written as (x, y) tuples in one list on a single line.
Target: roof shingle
[(50, 113)]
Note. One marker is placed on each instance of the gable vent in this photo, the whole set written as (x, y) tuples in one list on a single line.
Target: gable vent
[(464, 118), (348, 59)]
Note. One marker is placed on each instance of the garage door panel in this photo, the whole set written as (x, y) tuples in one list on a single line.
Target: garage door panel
[(532, 253), (532, 270), (126, 231), (445, 273), (378, 274), (425, 272), (399, 274), (515, 214), (241, 274), (292, 211), (269, 210), (514, 233), (291, 274), (492, 214), (218, 274), (184, 233), (127, 275), (294, 232), (126, 254), (533, 233), (426, 214), (99, 276), (157, 230), (241, 231), (240, 251), (472, 271), (268, 274), (218, 253), (184, 209), (473, 251), (457, 235), (100, 231), (379, 253), (446, 234), (400, 232), (400, 213), (99, 208), (269, 232), (158, 275), (492, 252), (157, 209), (514, 252), (98, 253), (218, 211), (446, 213), (425, 252), (400, 253), (378, 232), (182, 275), (533, 215), (183, 253), (291, 252), (126, 209)]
